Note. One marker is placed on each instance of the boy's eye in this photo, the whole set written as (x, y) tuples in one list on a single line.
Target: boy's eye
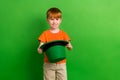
[(56, 18)]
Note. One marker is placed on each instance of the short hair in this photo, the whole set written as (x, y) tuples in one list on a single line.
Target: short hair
[(54, 13)]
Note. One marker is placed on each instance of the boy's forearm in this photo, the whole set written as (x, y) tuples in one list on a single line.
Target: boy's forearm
[(39, 49), (41, 43)]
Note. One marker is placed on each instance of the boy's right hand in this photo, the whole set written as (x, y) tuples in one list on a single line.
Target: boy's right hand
[(39, 50)]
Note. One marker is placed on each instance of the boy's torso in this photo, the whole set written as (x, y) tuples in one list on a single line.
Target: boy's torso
[(49, 36)]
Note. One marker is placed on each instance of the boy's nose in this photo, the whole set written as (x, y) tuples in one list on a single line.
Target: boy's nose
[(54, 20)]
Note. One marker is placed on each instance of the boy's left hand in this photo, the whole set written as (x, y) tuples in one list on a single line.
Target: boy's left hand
[(69, 46)]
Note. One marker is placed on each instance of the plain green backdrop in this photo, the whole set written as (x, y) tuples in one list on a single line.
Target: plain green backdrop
[(94, 28)]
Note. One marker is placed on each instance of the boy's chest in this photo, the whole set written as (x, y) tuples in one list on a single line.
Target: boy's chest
[(51, 37)]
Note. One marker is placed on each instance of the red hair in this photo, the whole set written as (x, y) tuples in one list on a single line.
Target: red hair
[(54, 13)]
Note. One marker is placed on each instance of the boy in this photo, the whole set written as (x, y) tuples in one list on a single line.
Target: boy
[(54, 71)]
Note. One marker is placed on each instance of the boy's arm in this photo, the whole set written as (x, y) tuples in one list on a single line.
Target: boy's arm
[(39, 49), (69, 46)]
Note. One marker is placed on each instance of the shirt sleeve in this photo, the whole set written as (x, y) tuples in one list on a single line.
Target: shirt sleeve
[(42, 38), (66, 36)]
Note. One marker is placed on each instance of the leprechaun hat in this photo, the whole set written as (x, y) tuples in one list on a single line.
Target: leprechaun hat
[(55, 50)]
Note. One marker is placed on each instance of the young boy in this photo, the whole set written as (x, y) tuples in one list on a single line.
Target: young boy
[(54, 71)]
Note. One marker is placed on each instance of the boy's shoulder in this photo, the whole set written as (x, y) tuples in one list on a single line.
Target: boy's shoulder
[(63, 31)]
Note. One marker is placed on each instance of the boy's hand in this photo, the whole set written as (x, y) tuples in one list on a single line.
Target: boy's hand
[(69, 46), (39, 50)]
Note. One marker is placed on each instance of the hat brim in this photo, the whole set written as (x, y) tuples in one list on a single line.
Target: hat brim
[(45, 46)]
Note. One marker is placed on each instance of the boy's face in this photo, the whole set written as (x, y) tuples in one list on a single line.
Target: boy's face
[(54, 22)]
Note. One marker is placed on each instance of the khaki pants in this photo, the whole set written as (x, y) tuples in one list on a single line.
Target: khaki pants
[(53, 71)]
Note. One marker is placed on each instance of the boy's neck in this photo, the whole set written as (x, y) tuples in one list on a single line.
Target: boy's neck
[(54, 30)]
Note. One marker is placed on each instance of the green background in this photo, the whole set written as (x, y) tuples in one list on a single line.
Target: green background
[(94, 28)]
